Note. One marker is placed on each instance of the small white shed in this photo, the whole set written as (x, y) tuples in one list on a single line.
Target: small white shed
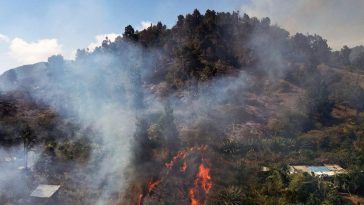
[(45, 191)]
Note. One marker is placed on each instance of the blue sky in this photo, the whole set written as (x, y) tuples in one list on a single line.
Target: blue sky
[(31, 30), (75, 23), (78, 21)]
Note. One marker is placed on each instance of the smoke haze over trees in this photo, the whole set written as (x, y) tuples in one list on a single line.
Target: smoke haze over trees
[(188, 115)]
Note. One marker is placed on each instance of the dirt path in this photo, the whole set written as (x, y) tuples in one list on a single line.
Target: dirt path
[(354, 199)]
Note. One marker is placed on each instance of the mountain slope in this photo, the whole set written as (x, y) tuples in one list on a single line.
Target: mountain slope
[(188, 115)]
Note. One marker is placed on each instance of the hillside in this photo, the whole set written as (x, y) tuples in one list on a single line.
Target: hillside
[(188, 115)]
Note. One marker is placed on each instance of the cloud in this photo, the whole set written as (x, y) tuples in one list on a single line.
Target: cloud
[(100, 38), (340, 22), (21, 52), (32, 52), (4, 38), (143, 25)]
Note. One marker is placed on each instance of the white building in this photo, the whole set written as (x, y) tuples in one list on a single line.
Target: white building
[(326, 170), (45, 191)]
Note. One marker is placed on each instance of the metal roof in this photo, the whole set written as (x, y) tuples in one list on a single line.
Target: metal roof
[(334, 167), (326, 170), (45, 191), (318, 169)]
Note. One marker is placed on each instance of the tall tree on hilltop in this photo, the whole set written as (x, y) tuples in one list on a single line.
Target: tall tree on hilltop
[(129, 34), (345, 55)]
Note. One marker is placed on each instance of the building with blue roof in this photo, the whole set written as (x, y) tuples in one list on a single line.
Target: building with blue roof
[(322, 171)]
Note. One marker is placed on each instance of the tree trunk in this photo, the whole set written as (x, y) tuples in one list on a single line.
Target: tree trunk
[(25, 158)]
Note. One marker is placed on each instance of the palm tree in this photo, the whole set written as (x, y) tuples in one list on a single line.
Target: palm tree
[(232, 195)]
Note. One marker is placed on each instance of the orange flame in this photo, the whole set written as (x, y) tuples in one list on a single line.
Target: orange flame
[(201, 183), (180, 154), (194, 201), (153, 185), (183, 153), (204, 179), (184, 167), (140, 199)]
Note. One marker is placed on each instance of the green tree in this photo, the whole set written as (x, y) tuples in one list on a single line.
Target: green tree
[(333, 198), (137, 88), (105, 43), (303, 188), (143, 145), (345, 55), (353, 95), (356, 179), (359, 61), (316, 102), (169, 128), (312, 49), (129, 34), (274, 184), (29, 139), (230, 196), (56, 60)]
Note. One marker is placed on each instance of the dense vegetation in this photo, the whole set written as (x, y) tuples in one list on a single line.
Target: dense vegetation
[(200, 47), (266, 98)]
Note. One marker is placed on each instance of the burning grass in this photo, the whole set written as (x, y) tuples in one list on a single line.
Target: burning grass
[(186, 178)]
